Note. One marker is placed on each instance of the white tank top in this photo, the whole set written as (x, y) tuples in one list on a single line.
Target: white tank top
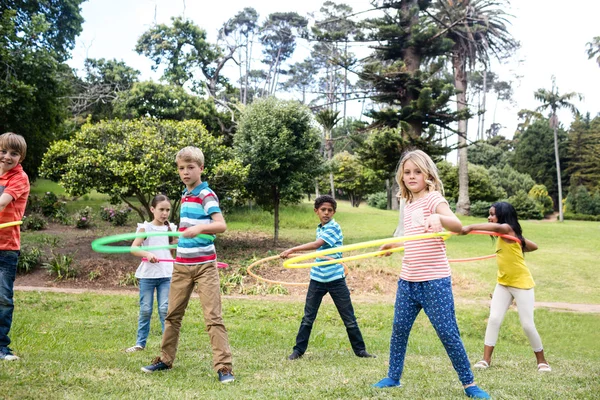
[(159, 269)]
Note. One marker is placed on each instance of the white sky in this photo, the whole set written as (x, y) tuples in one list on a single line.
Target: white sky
[(553, 35)]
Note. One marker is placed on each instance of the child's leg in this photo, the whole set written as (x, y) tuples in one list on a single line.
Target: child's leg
[(314, 296), (209, 290), (182, 286), (501, 300), (340, 295), (406, 310), (8, 273), (162, 298), (438, 304), (525, 299), (146, 302)]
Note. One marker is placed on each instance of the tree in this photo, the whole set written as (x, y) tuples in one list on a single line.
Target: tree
[(125, 159), (328, 119), (301, 77), (553, 100), (584, 152), (353, 178), (36, 38), (478, 30), (276, 140), (593, 49)]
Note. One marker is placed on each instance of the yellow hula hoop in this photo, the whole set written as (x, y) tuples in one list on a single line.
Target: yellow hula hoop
[(13, 223), (293, 262), (260, 278)]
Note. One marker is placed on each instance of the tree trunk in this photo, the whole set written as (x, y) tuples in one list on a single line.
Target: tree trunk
[(317, 187), (395, 190), (463, 204), (554, 122), (331, 184), (276, 201), (484, 106), (388, 193)]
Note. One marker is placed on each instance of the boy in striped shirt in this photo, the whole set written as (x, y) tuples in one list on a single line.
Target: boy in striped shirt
[(326, 279), (196, 263)]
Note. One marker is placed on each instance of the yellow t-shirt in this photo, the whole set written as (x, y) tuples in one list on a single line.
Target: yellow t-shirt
[(512, 270)]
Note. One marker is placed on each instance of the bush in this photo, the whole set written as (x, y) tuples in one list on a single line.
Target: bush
[(526, 207), (581, 217), (61, 266), (29, 259), (480, 208), (53, 207), (540, 194), (378, 200), (114, 215), (129, 280), (34, 222), (83, 218), (580, 201)]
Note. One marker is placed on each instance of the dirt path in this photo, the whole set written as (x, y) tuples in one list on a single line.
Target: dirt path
[(569, 307)]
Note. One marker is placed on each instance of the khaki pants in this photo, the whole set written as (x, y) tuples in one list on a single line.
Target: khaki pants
[(182, 284)]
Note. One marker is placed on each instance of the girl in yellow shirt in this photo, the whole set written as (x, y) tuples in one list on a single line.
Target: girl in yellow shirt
[(514, 282)]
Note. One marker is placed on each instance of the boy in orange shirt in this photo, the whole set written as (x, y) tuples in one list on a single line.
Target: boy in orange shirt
[(14, 190)]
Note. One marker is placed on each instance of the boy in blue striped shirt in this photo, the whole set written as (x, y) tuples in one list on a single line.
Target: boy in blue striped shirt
[(326, 279)]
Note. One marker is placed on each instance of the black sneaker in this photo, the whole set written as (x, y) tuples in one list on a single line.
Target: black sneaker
[(295, 355), (225, 375), (364, 354), (7, 355), (156, 365)]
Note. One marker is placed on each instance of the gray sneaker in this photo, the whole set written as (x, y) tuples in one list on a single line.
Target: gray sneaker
[(6, 354)]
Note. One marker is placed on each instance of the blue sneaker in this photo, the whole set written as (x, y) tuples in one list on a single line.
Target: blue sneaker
[(386, 383), (6, 354), (476, 393), (156, 365), (225, 375)]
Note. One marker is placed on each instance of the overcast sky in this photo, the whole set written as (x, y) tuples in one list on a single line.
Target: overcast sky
[(553, 36)]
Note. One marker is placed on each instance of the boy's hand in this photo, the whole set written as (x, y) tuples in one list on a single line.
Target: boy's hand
[(286, 253), (192, 231)]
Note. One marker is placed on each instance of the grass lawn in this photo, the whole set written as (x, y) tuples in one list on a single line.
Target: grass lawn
[(71, 348)]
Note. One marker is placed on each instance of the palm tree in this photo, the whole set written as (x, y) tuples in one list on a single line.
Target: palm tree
[(328, 119), (479, 30), (551, 99), (593, 49)]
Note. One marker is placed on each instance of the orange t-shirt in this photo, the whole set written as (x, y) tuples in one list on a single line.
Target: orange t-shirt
[(15, 183)]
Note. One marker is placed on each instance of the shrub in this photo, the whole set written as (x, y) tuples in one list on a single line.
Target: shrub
[(526, 207), (540, 194), (580, 201), (378, 200), (129, 280), (116, 216), (34, 222), (581, 217), (61, 266), (83, 218), (480, 208), (29, 259), (53, 207)]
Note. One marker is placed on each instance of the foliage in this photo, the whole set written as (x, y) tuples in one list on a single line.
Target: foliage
[(377, 200), (487, 155), (61, 266), (509, 180), (584, 152), (30, 258), (581, 201), (354, 179), (34, 222), (593, 49), (117, 216), (136, 158), (540, 194), (581, 217), (83, 218), (481, 186), (278, 143), (527, 208), (35, 39), (480, 209), (129, 280)]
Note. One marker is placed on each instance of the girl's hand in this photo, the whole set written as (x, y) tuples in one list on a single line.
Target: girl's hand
[(152, 258), (433, 223), (465, 230), (387, 247)]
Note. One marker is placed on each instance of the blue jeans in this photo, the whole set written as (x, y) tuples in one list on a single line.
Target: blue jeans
[(338, 290), (436, 299), (8, 273), (147, 286)]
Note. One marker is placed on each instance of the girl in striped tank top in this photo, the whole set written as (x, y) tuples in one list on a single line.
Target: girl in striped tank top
[(425, 281)]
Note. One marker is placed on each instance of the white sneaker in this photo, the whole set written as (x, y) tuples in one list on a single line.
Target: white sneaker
[(134, 349), (6, 354)]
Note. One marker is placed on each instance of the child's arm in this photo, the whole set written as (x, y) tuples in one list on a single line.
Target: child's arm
[(530, 246), (444, 217), (5, 199), (306, 246), (142, 253), (504, 229), (217, 225)]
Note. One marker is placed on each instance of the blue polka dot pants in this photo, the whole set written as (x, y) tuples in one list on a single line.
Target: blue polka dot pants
[(436, 299)]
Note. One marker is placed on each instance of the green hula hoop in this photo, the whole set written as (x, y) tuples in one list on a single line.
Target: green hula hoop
[(293, 262), (101, 245)]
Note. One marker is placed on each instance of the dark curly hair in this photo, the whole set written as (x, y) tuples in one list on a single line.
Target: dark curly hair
[(325, 199)]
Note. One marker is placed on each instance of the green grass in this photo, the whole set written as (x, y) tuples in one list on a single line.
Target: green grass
[(71, 348), (93, 199)]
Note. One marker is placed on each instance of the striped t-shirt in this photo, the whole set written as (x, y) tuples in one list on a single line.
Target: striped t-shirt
[(331, 233), (196, 208), (15, 183), (424, 259)]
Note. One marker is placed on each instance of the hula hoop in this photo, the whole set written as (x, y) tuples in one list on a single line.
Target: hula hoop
[(458, 260), (260, 278), (100, 245), (502, 235), (13, 223), (219, 264), (293, 262)]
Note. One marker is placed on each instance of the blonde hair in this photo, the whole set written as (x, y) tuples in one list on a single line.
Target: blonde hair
[(427, 167), (15, 142), (191, 154)]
